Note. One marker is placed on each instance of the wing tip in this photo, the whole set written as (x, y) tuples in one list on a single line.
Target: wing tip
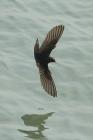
[(37, 42), (61, 26), (53, 95)]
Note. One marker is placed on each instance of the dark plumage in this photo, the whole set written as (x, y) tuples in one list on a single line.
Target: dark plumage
[(42, 57)]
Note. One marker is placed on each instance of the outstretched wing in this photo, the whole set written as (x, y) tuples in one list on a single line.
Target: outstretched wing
[(36, 50), (51, 39), (47, 81), (36, 47)]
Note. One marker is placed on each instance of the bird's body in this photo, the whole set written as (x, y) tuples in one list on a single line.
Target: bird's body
[(42, 57)]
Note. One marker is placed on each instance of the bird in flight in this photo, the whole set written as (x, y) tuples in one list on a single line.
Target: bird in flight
[(43, 58)]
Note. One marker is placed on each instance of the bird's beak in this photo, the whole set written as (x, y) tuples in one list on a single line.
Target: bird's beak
[(54, 60)]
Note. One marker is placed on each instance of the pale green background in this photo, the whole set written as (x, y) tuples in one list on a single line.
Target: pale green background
[(26, 111)]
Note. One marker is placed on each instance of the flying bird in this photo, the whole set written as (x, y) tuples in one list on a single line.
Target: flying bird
[(43, 58)]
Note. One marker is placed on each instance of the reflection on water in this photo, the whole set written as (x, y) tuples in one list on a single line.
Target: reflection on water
[(37, 121)]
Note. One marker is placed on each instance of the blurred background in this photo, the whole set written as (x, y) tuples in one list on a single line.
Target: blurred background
[(26, 110)]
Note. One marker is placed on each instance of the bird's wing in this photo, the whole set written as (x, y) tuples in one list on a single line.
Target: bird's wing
[(36, 50), (47, 81), (36, 47), (51, 39)]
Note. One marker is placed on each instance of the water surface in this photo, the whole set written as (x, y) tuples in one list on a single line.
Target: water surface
[(26, 111)]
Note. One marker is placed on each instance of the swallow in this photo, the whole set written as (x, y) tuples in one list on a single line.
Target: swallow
[(43, 58)]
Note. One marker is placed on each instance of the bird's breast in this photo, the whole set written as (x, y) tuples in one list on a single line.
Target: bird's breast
[(41, 59)]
